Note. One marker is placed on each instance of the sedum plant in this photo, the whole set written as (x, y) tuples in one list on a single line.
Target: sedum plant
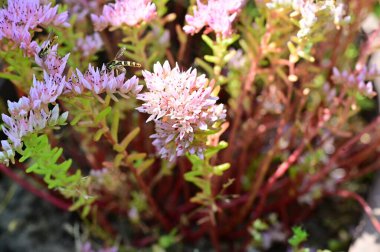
[(189, 122)]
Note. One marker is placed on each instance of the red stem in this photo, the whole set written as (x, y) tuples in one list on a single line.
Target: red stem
[(367, 209), (279, 173), (29, 187)]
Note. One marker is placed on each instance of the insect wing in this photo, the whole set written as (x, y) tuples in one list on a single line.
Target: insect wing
[(120, 53)]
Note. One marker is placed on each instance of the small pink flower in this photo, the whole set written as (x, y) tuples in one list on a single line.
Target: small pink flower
[(47, 91), (124, 12), (19, 18), (100, 81), (182, 107), (21, 107), (217, 15), (357, 79), (8, 152), (17, 127), (53, 64), (89, 45)]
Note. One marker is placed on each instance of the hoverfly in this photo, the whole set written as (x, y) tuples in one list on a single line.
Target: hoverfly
[(51, 40), (119, 65)]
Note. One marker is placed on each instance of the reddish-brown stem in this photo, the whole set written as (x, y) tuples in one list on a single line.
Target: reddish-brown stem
[(367, 209), (214, 237), (343, 149), (370, 168), (155, 209), (29, 187), (279, 173), (237, 118)]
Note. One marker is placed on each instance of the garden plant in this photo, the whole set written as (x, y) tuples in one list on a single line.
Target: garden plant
[(212, 124)]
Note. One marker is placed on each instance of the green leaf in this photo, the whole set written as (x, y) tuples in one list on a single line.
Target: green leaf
[(299, 236), (115, 124), (135, 156), (118, 159), (219, 169), (376, 10), (10, 77), (102, 114), (211, 58), (99, 133), (260, 225), (212, 150), (127, 140), (195, 160), (209, 70), (77, 118), (85, 211), (145, 165), (208, 41), (166, 241)]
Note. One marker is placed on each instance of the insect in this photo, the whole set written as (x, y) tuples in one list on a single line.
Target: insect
[(52, 38), (119, 65)]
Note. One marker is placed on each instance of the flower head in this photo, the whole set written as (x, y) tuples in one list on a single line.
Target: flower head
[(47, 91), (52, 63), (21, 107), (100, 80), (19, 18), (124, 12), (17, 127), (89, 45), (183, 108), (217, 15)]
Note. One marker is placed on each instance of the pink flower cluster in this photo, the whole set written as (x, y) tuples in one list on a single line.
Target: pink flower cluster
[(53, 64), (31, 114), (124, 12), (18, 126), (89, 45), (99, 81), (19, 18), (216, 15), (357, 79), (183, 108)]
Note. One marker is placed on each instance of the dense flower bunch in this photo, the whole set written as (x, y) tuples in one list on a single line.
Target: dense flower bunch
[(182, 106), (310, 11), (99, 81), (19, 18), (171, 164), (18, 126), (89, 45), (124, 12), (52, 63), (31, 114), (47, 91), (216, 15)]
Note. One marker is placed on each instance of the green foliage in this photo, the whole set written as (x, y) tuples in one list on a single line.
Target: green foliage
[(15, 71), (219, 58), (299, 236), (258, 226), (376, 10), (202, 171), (44, 161)]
